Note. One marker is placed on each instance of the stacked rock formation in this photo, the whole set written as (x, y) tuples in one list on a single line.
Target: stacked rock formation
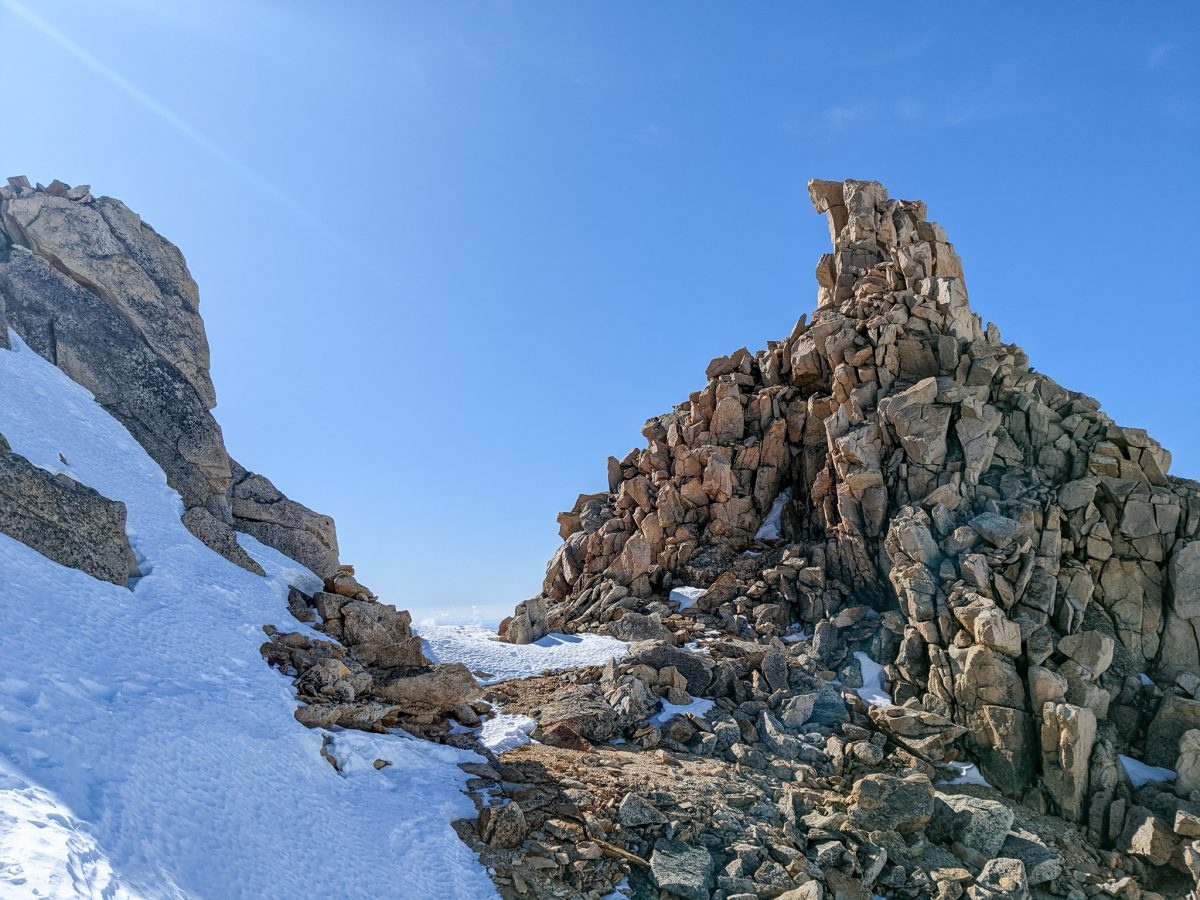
[(895, 479), (95, 290), (372, 674)]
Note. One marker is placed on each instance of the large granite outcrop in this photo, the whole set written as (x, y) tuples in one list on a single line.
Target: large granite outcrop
[(95, 290), (64, 520), (893, 477)]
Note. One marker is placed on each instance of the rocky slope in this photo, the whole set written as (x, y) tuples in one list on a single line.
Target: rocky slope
[(892, 484), (95, 290), (902, 617)]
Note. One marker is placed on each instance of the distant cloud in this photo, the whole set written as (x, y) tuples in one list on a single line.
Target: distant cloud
[(1159, 53), (838, 118), (1003, 93), (652, 134), (910, 110)]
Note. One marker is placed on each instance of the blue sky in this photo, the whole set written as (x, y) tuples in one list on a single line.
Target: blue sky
[(452, 255)]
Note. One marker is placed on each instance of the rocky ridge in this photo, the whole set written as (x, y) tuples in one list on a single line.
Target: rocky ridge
[(890, 485), (895, 484), (96, 291)]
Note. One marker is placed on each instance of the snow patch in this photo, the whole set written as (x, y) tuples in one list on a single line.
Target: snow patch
[(506, 731), (770, 528), (1145, 679), (698, 707), (872, 690), (1139, 773), (968, 773), (686, 597), (481, 650), (621, 890), (45, 851)]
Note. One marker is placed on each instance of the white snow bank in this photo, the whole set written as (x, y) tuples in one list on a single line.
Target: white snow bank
[(481, 650), (968, 773), (1139, 773), (769, 530), (686, 597), (146, 740), (698, 707), (44, 850), (506, 731), (620, 890), (872, 677)]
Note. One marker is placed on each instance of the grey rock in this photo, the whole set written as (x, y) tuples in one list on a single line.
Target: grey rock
[(635, 812), (1041, 863), (261, 510), (108, 249), (975, 822), (433, 690), (681, 869), (888, 803), (634, 626), (527, 623), (692, 666), (64, 520), (93, 289), (76, 330), (220, 537)]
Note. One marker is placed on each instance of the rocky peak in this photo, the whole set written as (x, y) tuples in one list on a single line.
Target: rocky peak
[(896, 481), (95, 290)]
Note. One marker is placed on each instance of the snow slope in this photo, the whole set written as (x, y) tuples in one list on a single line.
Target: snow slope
[(145, 748), (481, 650)]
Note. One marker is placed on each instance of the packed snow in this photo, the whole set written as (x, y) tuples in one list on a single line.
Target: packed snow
[(506, 731), (620, 890), (482, 651), (698, 708), (1145, 679), (146, 750), (1139, 773), (872, 677), (686, 597), (968, 773), (773, 523)]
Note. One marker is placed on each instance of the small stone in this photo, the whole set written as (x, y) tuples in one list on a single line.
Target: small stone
[(635, 812)]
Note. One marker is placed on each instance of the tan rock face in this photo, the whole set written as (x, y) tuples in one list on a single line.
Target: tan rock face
[(1017, 547), (93, 289), (1068, 734), (106, 247)]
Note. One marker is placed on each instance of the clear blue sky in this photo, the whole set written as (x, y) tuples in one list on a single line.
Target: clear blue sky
[(452, 255)]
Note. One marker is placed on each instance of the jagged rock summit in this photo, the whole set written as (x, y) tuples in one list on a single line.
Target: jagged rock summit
[(893, 480)]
